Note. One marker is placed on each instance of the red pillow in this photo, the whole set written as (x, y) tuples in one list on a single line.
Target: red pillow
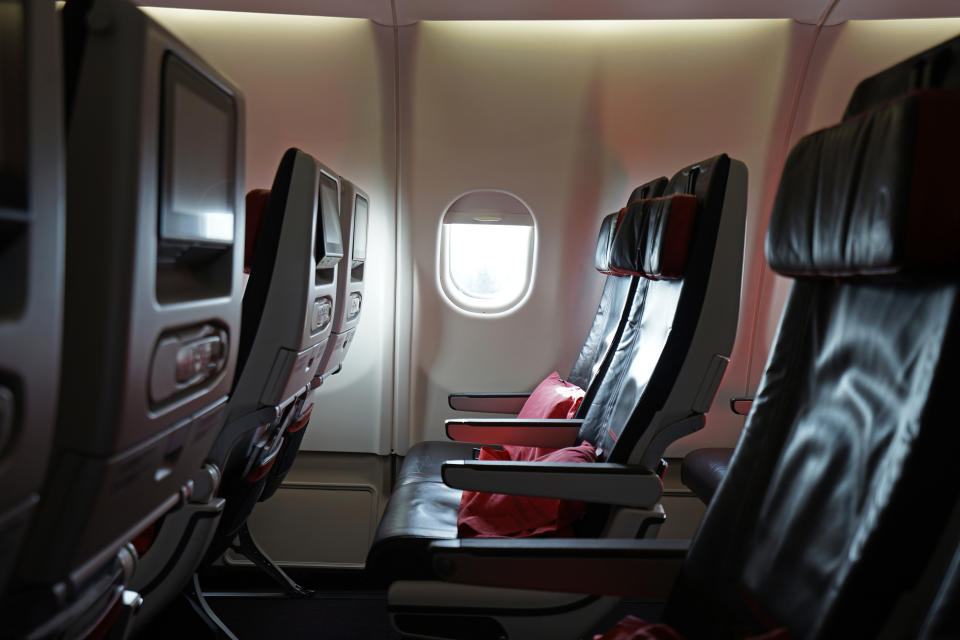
[(553, 398), (494, 515)]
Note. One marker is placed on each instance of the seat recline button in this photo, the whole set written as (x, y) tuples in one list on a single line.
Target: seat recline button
[(185, 359), (322, 312), (355, 299)]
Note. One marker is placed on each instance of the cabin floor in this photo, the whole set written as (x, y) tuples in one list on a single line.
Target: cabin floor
[(344, 606)]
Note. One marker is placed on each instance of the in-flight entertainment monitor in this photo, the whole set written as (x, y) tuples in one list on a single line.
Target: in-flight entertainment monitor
[(198, 125), (328, 248), (359, 231)]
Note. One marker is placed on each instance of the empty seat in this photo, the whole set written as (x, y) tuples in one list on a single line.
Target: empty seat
[(288, 316), (423, 460), (151, 306), (816, 529), (662, 377), (938, 67), (703, 469), (287, 319), (607, 323), (31, 261), (354, 219)]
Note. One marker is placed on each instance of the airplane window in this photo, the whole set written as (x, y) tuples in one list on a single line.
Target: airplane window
[(487, 244)]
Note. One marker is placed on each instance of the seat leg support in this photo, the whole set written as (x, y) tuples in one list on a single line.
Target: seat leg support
[(197, 601), (248, 547)]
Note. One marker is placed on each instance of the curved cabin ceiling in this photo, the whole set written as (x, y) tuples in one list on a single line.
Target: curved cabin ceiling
[(410, 11)]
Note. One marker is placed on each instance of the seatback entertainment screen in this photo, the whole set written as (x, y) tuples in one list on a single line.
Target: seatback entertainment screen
[(359, 230), (198, 158), (328, 248)]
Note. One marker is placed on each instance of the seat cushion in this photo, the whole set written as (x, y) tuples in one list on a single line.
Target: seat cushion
[(423, 460), (418, 513), (703, 469)]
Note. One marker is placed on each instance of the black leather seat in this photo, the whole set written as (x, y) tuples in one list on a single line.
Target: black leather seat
[(703, 469), (847, 429), (423, 460), (823, 525), (636, 410)]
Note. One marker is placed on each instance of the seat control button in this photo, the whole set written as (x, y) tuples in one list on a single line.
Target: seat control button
[(322, 311)]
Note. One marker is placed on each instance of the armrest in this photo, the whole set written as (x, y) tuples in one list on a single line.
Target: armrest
[(741, 406), (599, 482), (644, 569), (495, 402), (530, 433)]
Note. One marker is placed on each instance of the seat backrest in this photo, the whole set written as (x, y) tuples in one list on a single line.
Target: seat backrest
[(816, 526), (680, 327), (616, 297), (288, 319), (31, 260), (151, 315), (289, 301), (354, 220)]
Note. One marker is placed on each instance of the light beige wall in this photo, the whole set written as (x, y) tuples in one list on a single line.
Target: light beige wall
[(570, 116), (567, 115), (325, 85)]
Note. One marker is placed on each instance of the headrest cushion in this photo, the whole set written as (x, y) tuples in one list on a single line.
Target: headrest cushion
[(873, 196), (654, 237), (257, 200), (608, 229)]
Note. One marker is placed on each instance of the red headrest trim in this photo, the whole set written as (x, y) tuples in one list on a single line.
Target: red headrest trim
[(257, 200)]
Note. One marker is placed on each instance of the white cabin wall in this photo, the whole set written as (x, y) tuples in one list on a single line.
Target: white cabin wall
[(325, 85), (570, 116), (844, 55)]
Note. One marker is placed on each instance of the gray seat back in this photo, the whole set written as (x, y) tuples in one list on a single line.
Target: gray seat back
[(31, 261)]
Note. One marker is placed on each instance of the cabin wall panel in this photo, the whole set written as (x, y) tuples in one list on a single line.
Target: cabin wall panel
[(325, 85), (570, 117)]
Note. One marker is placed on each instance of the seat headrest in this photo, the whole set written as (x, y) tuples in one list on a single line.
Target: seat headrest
[(873, 196), (257, 200), (654, 236), (608, 229)]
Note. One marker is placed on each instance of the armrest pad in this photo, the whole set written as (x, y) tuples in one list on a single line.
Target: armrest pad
[(599, 482), (530, 433), (741, 406), (495, 402), (644, 569)]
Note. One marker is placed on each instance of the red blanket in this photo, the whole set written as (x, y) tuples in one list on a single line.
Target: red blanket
[(494, 515), (633, 628)]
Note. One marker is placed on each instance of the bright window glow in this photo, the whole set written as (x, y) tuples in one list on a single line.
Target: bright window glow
[(487, 252), (489, 262)]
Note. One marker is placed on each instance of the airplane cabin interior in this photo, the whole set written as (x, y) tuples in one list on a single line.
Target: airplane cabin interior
[(447, 320)]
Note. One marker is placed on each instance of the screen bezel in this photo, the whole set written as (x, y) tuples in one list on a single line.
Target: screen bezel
[(14, 130), (176, 71), (328, 223), (356, 260)]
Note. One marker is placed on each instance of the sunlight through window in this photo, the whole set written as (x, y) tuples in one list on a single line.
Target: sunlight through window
[(486, 252)]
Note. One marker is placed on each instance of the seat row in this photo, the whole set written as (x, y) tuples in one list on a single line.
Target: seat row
[(816, 530), (151, 395)]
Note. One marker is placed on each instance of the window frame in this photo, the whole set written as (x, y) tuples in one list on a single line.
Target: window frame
[(449, 291)]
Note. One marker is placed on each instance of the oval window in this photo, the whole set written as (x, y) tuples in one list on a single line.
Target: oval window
[(487, 252)]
